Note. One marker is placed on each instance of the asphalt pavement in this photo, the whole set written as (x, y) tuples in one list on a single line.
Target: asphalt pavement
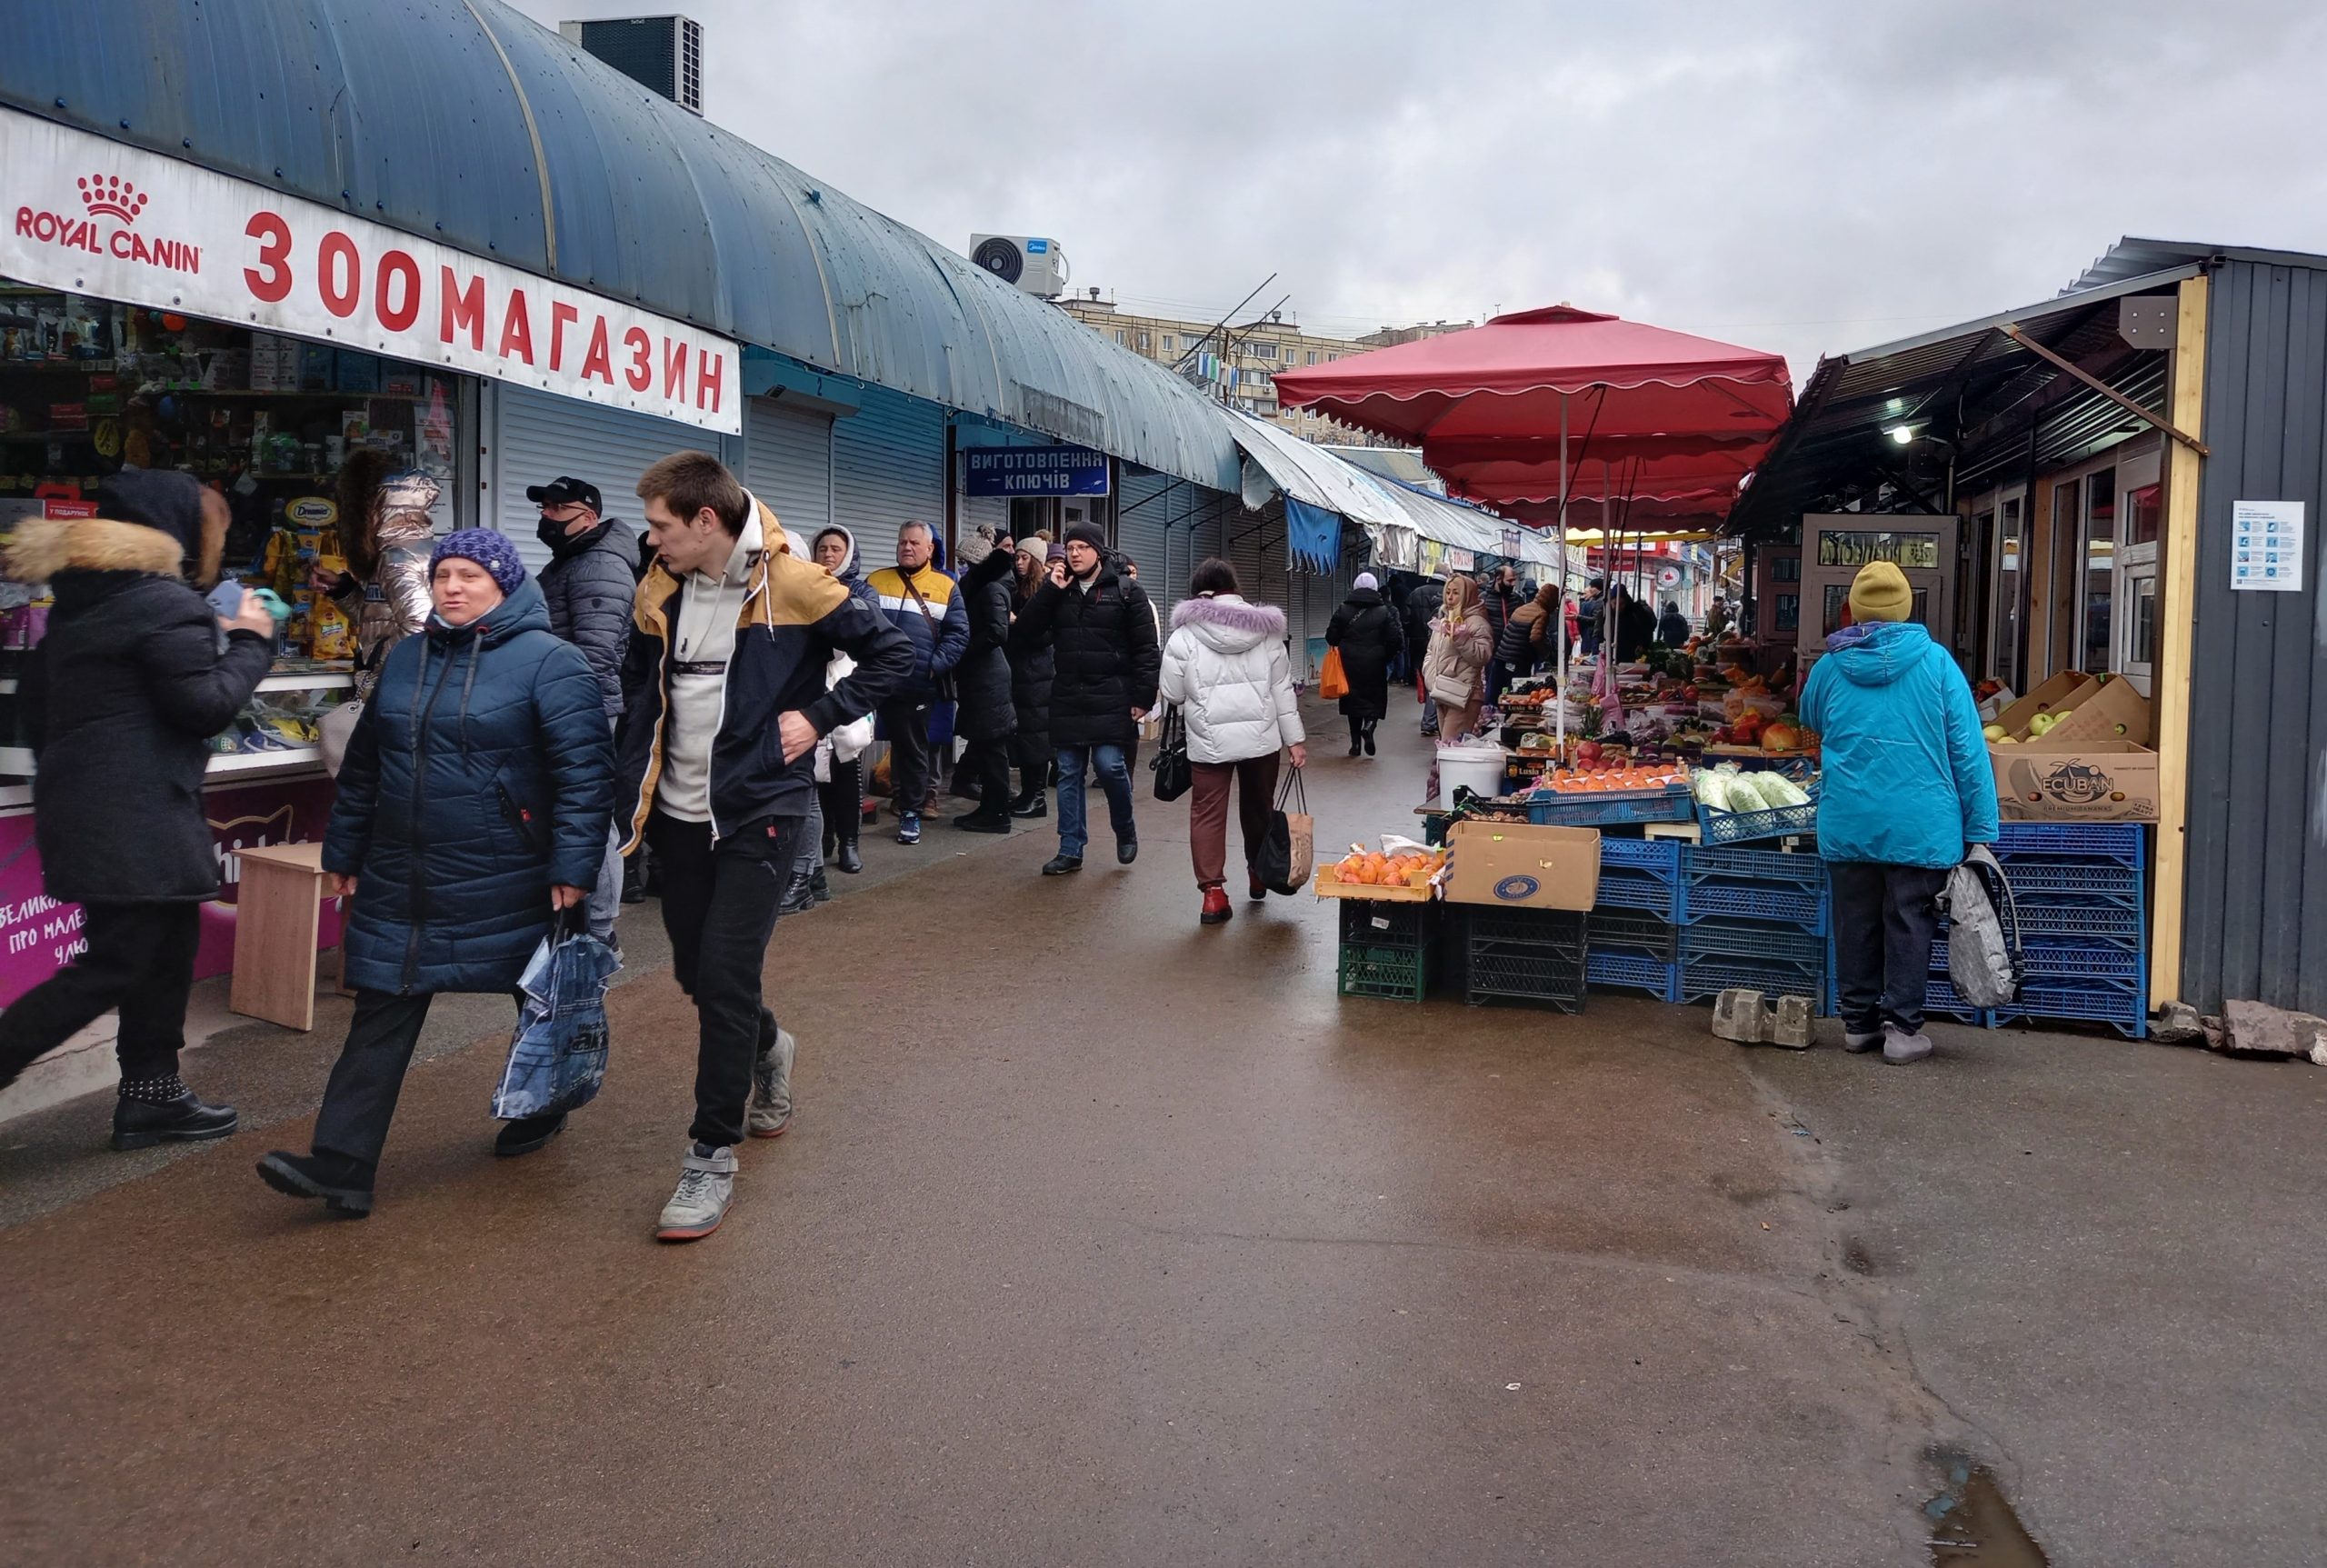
[(1103, 1238)]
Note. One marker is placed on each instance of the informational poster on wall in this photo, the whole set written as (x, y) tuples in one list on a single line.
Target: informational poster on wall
[(2266, 546)]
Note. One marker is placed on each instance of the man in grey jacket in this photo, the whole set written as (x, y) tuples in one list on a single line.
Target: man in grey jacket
[(590, 582)]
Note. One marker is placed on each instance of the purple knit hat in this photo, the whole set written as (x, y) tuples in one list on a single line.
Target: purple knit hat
[(492, 551)]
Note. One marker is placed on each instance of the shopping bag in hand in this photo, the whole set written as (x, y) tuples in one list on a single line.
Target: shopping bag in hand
[(1175, 773), (1332, 681), (1288, 848), (1984, 953), (557, 1056)]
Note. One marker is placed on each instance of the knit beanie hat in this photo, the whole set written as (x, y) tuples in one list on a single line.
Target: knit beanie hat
[(1089, 534), (492, 551), (1879, 592), (1054, 551), (978, 546), (1368, 580)]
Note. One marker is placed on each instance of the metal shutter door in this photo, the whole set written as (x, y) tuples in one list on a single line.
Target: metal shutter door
[(1146, 508), (542, 436), (888, 466), (788, 464)]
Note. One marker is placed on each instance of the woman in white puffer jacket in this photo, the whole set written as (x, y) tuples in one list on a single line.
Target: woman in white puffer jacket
[(1227, 669)]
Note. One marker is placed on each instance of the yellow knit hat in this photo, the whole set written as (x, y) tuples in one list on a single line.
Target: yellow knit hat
[(1879, 592)]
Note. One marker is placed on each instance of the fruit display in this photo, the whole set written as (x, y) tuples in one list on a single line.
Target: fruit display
[(1408, 867), (1601, 773), (1728, 788)]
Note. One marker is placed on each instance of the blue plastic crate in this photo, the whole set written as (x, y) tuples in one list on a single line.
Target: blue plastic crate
[(2065, 917), (1752, 865), (2098, 959), (1584, 809), (2125, 1011), (1622, 889), (1741, 939), (1720, 827), (1631, 970), (1701, 978), (2120, 841), (1939, 996), (1804, 909), (2041, 882), (1660, 856)]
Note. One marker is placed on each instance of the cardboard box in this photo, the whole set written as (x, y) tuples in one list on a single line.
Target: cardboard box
[(2095, 781), (1524, 866), (2046, 698), (2110, 710)]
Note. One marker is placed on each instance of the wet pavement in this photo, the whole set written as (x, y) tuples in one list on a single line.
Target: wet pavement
[(1102, 1238)]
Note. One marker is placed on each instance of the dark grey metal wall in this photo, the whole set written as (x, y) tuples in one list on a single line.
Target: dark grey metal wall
[(2256, 917)]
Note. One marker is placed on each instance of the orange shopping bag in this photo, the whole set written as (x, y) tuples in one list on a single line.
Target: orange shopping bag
[(1332, 683)]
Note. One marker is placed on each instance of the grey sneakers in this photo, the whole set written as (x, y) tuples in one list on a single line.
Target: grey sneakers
[(1899, 1048), (771, 1111), (706, 1187), (1859, 1044)]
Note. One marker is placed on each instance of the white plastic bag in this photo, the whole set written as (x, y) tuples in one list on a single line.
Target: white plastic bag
[(1983, 959)]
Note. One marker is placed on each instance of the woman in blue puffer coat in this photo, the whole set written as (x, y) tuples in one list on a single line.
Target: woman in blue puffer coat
[(473, 807)]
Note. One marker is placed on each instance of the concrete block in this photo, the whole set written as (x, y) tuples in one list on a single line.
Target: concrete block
[(2178, 1024), (1738, 1014), (2256, 1029), (1789, 1026)]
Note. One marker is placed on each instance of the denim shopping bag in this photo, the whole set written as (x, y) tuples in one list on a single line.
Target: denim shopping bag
[(557, 1056)]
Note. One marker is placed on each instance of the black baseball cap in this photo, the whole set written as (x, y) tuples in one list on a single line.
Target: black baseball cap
[(566, 492)]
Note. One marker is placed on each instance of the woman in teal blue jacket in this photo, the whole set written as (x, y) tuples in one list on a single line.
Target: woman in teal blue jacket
[(1907, 785)]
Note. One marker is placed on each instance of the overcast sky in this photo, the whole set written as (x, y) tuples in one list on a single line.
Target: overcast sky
[(1805, 177)]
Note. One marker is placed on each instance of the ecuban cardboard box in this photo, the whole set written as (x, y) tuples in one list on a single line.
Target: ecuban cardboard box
[(1520, 865), (2093, 781)]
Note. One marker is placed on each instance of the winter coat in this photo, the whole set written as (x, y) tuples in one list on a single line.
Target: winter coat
[(852, 571), (1030, 694), (791, 618), (395, 602), (1421, 608), (1635, 630), (1496, 602), (588, 586), (1104, 655), (1526, 637), (1673, 629), (1450, 670), (1367, 632), (481, 773), (121, 699), (1226, 667), (982, 680), (937, 623), (1907, 778)]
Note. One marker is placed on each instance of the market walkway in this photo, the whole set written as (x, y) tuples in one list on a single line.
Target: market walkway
[(1105, 1239)]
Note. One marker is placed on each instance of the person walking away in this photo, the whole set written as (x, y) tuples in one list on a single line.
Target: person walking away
[(1101, 631), (471, 809), (840, 795), (1366, 630), (726, 697), (925, 604), (386, 528), (1526, 636), (1227, 668), (1907, 787), (1453, 670), (1422, 605), (121, 699), (1633, 626), (1030, 684), (1672, 627), (986, 714), (588, 586), (1498, 598)]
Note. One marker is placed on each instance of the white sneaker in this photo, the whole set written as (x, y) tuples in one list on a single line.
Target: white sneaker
[(706, 1186), (771, 1111), (1899, 1048)]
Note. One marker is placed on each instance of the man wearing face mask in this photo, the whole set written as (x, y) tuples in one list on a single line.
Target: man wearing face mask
[(588, 586)]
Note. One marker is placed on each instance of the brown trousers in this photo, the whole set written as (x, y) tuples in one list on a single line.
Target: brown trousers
[(1256, 781)]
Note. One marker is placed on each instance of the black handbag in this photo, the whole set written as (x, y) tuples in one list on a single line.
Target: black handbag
[(1175, 773), (1288, 852)]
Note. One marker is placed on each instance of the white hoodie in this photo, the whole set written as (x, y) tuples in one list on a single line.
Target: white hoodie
[(1226, 667)]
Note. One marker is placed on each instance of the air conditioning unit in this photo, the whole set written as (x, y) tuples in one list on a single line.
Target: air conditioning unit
[(1024, 261)]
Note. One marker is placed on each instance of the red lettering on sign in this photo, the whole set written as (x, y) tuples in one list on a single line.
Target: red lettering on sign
[(24, 222), (597, 362), (561, 315), (639, 373), (517, 329), (461, 309), (339, 273), (675, 372), (273, 236), (394, 266), (710, 370)]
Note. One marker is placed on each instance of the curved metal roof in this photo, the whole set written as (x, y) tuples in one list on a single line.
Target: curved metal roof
[(464, 122)]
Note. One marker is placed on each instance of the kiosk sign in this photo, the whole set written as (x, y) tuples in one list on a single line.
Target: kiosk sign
[(1033, 471)]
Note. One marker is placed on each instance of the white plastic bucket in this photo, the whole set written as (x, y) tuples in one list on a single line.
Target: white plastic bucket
[(1476, 768)]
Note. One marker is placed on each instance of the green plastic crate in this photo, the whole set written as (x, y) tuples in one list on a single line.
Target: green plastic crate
[(1397, 974)]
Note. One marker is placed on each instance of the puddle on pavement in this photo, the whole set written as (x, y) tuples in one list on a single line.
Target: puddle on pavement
[(1972, 1524)]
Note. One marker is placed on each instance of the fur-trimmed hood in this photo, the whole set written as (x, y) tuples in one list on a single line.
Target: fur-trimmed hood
[(42, 548), (1225, 622)]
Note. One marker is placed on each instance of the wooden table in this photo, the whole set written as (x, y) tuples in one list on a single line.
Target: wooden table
[(276, 921)]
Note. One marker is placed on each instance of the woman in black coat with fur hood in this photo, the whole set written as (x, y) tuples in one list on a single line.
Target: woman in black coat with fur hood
[(987, 715), (122, 696), (1367, 631)]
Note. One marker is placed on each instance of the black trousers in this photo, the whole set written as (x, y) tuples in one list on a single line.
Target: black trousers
[(988, 763), (841, 800), (1884, 919), (140, 959), (719, 904), (366, 1081), (905, 721)]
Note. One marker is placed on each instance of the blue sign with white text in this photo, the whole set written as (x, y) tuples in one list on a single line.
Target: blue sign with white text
[(1033, 471)]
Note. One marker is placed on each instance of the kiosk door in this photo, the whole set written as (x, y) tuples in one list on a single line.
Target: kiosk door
[(1834, 546)]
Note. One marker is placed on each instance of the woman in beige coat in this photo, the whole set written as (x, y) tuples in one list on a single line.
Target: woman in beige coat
[(1454, 669)]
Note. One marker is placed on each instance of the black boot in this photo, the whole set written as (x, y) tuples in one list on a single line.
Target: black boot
[(634, 879), (343, 1185), (984, 820), (797, 898), (849, 859), (526, 1133), (142, 1124), (1031, 805)]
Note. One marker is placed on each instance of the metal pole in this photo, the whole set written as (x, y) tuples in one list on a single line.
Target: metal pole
[(1561, 759)]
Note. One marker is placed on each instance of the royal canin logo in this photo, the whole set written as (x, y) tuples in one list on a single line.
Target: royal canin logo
[(111, 197), (107, 201)]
